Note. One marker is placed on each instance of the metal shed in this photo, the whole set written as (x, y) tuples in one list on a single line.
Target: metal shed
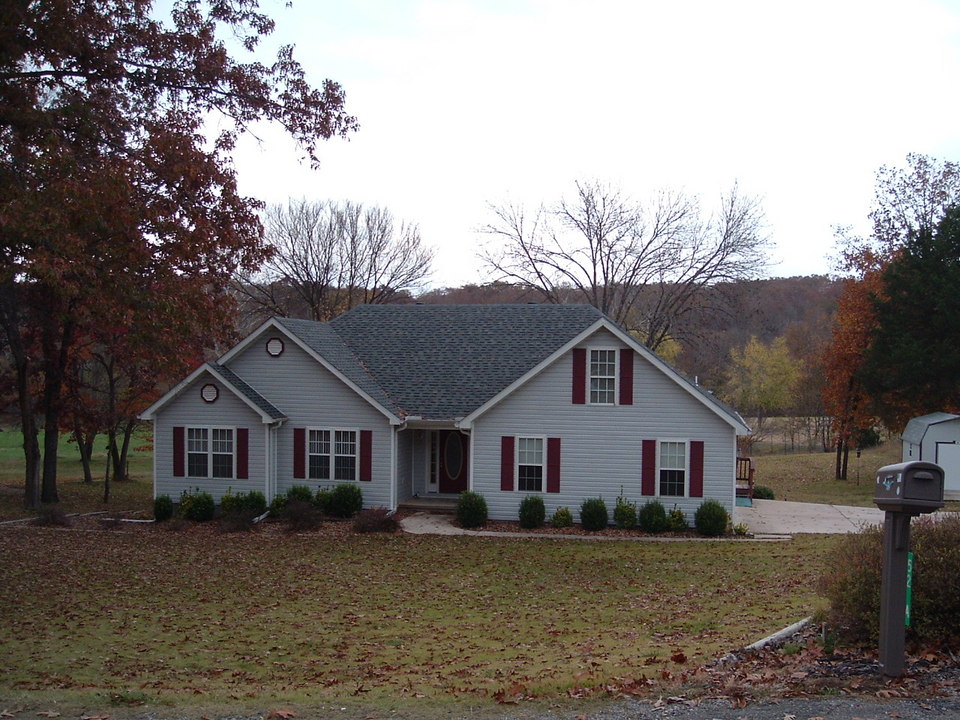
[(936, 438)]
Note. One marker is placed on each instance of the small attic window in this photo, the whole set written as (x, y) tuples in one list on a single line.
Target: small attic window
[(274, 347), (209, 393)]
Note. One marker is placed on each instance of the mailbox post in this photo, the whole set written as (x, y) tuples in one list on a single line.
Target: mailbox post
[(903, 491)]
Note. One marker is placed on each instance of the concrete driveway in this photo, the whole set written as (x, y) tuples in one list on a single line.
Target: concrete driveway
[(778, 517)]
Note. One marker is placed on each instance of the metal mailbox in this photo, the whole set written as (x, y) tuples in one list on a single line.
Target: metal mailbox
[(912, 487)]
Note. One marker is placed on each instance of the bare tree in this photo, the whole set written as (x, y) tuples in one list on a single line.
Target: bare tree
[(644, 265), (328, 257)]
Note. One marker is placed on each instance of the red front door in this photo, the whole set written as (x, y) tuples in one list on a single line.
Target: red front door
[(453, 454)]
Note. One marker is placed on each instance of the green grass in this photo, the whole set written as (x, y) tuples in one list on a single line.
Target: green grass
[(390, 622), (809, 477), (76, 495)]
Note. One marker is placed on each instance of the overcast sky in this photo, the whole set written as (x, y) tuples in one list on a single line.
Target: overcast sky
[(468, 102)]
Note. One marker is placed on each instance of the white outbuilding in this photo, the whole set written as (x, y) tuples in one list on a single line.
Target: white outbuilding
[(936, 438)]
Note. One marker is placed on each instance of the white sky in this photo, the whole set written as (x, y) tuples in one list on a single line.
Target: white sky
[(466, 102)]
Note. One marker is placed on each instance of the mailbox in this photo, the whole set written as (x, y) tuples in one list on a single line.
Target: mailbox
[(911, 487)]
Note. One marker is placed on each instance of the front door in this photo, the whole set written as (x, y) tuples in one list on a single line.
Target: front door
[(452, 453)]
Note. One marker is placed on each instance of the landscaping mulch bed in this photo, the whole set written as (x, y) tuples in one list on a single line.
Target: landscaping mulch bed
[(512, 526)]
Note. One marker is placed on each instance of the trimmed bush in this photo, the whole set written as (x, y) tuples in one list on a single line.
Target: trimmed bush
[(278, 506), (711, 519), (251, 503), (562, 518), (162, 508), (471, 510), (762, 492), (653, 517), (302, 516), (299, 492), (197, 506), (593, 514), (346, 500), (677, 521), (625, 514), (322, 499), (377, 519), (532, 512), (852, 582)]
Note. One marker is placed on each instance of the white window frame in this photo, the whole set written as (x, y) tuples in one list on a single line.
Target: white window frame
[(686, 468), (333, 454), (543, 464), (210, 452), (615, 377)]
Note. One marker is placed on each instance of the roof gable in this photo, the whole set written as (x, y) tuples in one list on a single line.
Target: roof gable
[(918, 426)]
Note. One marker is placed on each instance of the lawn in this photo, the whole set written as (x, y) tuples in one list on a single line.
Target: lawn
[(809, 477), (107, 617), (76, 495)]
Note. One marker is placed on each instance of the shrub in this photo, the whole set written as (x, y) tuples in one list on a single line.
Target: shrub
[(653, 517), (532, 512), (322, 499), (762, 492), (562, 518), (346, 500), (162, 508), (238, 520), (251, 503), (471, 510), (677, 521), (302, 516), (278, 506), (299, 492), (376, 519), (711, 519), (593, 514), (625, 514), (197, 506), (852, 582)]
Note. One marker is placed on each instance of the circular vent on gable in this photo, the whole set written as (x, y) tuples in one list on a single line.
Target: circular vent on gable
[(209, 393), (274, 346)]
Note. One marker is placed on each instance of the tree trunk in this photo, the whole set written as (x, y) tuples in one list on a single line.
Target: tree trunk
[(846, 458), (128, 429), (837, 474), (106, 473), (85, 447), (56, 341)]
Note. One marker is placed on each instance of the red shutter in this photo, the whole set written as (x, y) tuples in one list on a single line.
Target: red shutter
[(178, 448), (579, 376), (696, 468), (243, 443), (366, 455), (300, 453), (506, 463), (648, 468), (626, 376), (553, 465)]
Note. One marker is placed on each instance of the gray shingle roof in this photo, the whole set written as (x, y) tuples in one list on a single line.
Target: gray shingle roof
[(917, 427), (229, 377), (444, 361), (324, 340)]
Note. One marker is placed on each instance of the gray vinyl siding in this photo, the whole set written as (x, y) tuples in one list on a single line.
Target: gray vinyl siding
[(189, 410), (313, 397), (601, 447)]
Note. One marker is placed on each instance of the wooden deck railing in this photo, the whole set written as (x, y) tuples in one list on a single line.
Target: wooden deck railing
[(745, 472)]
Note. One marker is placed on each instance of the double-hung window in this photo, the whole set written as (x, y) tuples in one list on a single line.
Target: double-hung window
[(332, 455), (210, 452), (673, 468), (530, 464), (603, 377)]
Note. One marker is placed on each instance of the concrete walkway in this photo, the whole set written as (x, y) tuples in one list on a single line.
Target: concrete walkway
[(766, 519)]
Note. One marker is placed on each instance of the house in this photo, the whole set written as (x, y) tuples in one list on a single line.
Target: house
[(936, 438), (431, 400)]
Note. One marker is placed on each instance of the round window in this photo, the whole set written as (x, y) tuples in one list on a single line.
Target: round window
[(453, 456), (209, 392), (274, 346)]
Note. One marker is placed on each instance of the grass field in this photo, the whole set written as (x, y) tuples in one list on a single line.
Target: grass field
[(809, 477), (106, 617)]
